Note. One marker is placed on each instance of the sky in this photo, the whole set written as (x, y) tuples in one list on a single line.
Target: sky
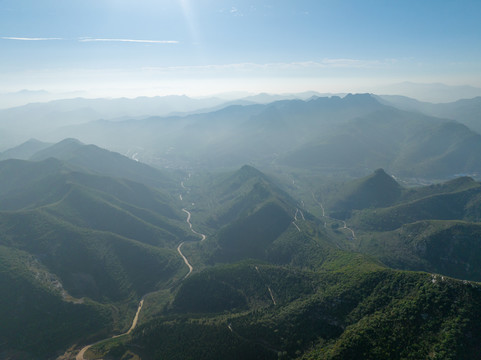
[(202, 47)]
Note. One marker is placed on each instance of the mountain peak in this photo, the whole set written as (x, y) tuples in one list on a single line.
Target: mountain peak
[(246, 173), (380, 179), (360, 99), (63, 147), (376, 190)]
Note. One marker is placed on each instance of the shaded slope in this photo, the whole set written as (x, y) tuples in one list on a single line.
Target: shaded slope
[(32, 305), (457, 205), (451, 248), (240, 193), (25, 150), (122, 207), (403, 143), (232, 136), (376, 190), (251, 212), (94, 159), (99, 265), (94, 238), (250, 235), (466, 111)]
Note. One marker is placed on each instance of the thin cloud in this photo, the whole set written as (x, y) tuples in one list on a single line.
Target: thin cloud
[(130, 41), (28, 38), (302, 65), (235, 12)]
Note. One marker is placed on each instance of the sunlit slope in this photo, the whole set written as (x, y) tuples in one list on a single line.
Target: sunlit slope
[(349, 307)]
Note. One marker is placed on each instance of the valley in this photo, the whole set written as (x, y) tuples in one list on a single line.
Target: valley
[(302, 256), (241, 180)]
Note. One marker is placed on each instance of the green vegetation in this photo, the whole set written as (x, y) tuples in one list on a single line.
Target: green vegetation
[(36, 316), (451, 248), (373, 191), (78, 252), (79, 249), (346, 309)]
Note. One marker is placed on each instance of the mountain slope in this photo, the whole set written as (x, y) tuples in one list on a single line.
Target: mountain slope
[(336, 312), (451, 248), (25, 150), (466, 111), (403, 143), (376, 190), (85, 246), (124, 207), (228, 137), (97, 160), (35, 307), (249, 212), (457, 205)]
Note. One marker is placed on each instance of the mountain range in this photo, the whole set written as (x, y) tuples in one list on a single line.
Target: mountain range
[(72, 239), (312, 250), (432, 228), (356, 134)]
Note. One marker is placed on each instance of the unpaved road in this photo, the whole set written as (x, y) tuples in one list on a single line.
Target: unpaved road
[(190, 225), (185, 259), (331, 218), (80, 355), (183, 242)]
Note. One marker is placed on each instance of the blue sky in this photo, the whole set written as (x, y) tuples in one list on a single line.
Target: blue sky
[(150, 47)]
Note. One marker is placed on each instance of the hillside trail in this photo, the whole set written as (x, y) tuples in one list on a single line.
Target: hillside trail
[(268, 288), (296, 219), (345, 227)]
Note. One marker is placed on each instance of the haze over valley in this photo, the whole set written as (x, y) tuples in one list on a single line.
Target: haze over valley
[(240, 180)]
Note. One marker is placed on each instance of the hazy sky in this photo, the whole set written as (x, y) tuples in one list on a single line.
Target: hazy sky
[(149, 47)]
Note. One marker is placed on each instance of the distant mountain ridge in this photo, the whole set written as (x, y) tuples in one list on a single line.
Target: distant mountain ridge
[(95, 159), (25, 150), (328, 134), (355, 134), (466, 111)]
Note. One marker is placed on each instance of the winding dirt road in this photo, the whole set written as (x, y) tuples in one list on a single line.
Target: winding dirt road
[(190, 225), (80, 355), (185, 259), (183, 242)]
